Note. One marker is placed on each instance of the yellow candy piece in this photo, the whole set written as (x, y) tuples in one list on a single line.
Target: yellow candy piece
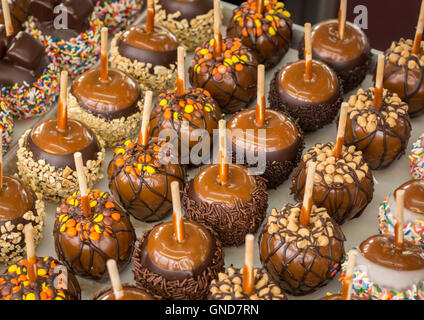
[(120, 151), (207, 109), (58, 298), (212, 42), (271, 11), (61, 294), (46, 258), (176, 115), (63, 228), (93, 203), (287, 14), (228, 62), (26, 283), (279, 5), (30, 296), (258, 23), (18, 271), (235, 59), (204, 51), (150, 169), (188, 108), (244, 58), (41, 272), (140, 166), (99, 218), (97, 229), (12, 268), (272, 31), (163, 102)]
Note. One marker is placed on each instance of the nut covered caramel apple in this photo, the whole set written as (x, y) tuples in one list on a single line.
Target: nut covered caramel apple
[(282, 146), (301, 259), (190, 20), (233, 209), (112, 108), (344, 186), (48, 150), (268, 32), (349, 57), (303, 99), (413, 212), (178, 271), (228, 286), (196, 106), (131, 292), (404, 74), (381, 134), (19, 205), (54, 282), (387, 272), (149, 57), (84, 243), (230, 77), (140, 177)]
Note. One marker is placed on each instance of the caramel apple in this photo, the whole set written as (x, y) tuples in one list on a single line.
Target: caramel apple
[(107, 100), (387, 272), (48, 150), (413, 212), (131, 292), (263, 26), (381, 133), (85, 241), (301, 258), (140, 177), (19, 206), (178, 271), (343, 186), (147, 52), (349, 57), (190, 20), (306, 88), (229, 77), (266, 132), (54, 282), (233, 209)]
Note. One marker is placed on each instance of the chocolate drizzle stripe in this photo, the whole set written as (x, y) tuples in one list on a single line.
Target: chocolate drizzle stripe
[(290, 256)]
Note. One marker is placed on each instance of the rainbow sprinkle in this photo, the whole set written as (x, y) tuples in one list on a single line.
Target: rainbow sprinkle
[(416, 158), (413, 232), (119, 14), (26, 101), (364, 288), (6, 124), (76, 55)]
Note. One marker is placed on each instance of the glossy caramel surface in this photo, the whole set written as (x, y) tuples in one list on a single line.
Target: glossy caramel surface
[(15, 198)]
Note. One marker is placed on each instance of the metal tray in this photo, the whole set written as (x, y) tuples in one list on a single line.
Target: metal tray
[(355, 231)]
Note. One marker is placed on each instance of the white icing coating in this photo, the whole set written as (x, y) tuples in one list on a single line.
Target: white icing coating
[(389, 278), (408, 215)]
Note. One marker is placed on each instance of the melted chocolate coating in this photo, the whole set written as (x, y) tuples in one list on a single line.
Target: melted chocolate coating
[(234, 89), (189, 9), (300, 271), (302, 99), (414, 195), (16, 198), (57, 149), (131, 292), (407, 83), (166, 284), (86, 257), (385, 144), (158, 48), (270, 48), (344, 201), (174, 261), (47, 28), (52, 278), (146, 196), (118, 97), (349, 58), (381, 249)]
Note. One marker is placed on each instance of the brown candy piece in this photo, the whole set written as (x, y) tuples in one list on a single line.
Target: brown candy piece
[(41, 9), (25, 51)]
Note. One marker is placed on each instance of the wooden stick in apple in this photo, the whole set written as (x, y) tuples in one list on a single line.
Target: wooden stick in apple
[(261, 102), (308, 52), (222, 153), (115, 280), (82, 180), (341, 131), (177, 215), (307, 197), (419, 31), (143, 138), (30, 248), (248, 271)]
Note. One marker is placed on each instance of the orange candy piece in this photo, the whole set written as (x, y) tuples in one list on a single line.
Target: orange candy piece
[(239, 67), (71, 223), (116, 216), (94, 236), (71, 232), (109, 205)]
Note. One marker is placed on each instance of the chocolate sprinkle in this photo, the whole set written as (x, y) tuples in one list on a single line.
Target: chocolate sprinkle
[(231, 223), (190, 288)]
